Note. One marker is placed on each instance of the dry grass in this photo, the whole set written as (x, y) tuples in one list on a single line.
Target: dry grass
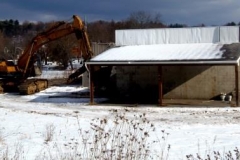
[(121, 137), (49, 133), (216, 155), (1, 137), (16, 154)]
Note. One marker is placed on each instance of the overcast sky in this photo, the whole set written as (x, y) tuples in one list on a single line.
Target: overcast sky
[(190, 12)]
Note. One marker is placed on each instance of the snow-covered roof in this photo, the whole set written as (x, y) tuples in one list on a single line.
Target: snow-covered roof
[(196, 45), (192, 53)]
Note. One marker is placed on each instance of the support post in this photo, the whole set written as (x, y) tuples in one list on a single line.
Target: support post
[(160, 81), (91, 85), (236, 85)]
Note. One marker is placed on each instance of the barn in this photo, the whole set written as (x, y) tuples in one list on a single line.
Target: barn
[(173, 63)]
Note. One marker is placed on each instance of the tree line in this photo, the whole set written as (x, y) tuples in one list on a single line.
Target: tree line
[(15, 36)]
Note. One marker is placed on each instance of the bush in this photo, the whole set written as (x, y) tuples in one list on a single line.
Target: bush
[(124, 137)]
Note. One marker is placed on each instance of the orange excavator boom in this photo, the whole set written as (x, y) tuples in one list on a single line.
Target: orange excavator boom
[(59, 30)]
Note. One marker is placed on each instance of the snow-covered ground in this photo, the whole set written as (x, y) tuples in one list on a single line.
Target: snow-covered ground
[(26, 120)]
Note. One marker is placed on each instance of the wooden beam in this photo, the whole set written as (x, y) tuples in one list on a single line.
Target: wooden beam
[(160, 81), (237, 85), (91, 85)]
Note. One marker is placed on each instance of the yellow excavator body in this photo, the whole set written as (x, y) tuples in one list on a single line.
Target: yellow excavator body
[(7, 67)]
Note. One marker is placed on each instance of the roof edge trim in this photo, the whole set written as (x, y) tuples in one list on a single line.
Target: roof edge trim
[(165, 63)]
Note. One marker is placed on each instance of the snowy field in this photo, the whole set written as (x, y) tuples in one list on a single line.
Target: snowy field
[(48, 124)]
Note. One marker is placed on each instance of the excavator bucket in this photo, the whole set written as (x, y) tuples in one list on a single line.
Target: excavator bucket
[(77, 73)]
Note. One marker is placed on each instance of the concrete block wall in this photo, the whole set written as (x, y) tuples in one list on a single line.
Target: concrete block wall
[(97, 48), (198, 82), (137, 81), (179, 82)]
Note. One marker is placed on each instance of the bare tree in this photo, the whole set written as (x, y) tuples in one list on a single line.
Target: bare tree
[(61, 50), (142, 19), (1, 46), (100, 31), (6, 50)]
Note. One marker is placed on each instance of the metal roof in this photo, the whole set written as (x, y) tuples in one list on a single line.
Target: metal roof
[(191, 53)]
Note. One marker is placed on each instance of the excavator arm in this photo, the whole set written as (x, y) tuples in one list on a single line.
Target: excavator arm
[(59, 30), (16, 76)]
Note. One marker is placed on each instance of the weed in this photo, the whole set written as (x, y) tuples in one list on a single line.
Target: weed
[(123, 137), (16, 154), (49, 132), (216, 155)]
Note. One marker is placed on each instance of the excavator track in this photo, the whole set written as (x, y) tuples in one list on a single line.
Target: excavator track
[(32, 86)]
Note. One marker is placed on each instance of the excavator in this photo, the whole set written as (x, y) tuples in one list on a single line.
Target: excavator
[(21, 75)]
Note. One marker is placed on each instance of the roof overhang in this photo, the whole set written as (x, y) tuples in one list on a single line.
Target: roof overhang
[(170, 54)]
